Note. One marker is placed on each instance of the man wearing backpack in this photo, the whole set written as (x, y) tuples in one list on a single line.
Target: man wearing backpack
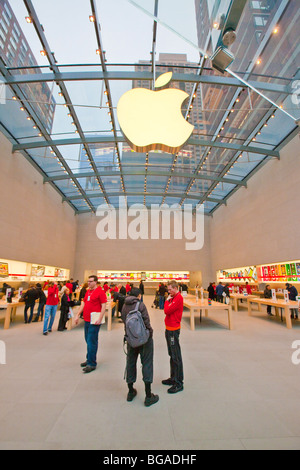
[(134, 307)]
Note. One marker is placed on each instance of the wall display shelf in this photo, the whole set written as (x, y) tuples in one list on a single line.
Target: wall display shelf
[(238, 275), (19, 271), (280, 272), (147, 276)]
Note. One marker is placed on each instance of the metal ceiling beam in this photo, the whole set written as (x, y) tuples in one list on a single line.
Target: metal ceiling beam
[(114, 140), (53, 65), (26, 155), (233, 17), (153, 52), (285, 141), (59, 77), (38, 122), (147, 194), (167, 174), (247, 74), (106, 82)]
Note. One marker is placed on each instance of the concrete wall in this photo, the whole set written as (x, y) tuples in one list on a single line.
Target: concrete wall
[(93, 254), (261, 224), (35, 226)]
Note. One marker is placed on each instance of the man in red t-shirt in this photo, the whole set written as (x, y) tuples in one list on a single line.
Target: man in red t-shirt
[(51, 308), (93, 307), (173, 309)]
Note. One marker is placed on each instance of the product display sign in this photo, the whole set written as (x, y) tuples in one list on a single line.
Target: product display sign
[(3, 270), (286, 296), (37, 271)]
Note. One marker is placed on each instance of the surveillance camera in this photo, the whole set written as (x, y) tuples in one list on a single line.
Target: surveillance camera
[(221, 59), (229, 37)]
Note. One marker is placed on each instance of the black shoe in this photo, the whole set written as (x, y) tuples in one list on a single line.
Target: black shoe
[(131, 395), (83, 364), (168, 382), (151, 400), (176, 388), (45, 334), (88, 369)]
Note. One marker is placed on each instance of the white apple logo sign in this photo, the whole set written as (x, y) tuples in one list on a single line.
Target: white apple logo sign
[(152, 120)]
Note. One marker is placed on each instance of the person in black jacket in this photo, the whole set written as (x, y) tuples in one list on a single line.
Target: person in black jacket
[(145, 351), (142, 289), (65, 304), (268, 295), (293, 293), (30, 297), (226, 291), (42, 303), (211, 291)]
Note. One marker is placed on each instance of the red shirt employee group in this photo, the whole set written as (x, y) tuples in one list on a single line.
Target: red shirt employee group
[(93, 310)]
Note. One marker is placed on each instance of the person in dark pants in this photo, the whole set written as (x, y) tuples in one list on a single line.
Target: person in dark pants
[(65, 305), (161, 293), (211, 291), (42, 303), (145, 352), (268, 295), (30, 297), (219, 292), (293, 293), (173, 309), (142, 289)]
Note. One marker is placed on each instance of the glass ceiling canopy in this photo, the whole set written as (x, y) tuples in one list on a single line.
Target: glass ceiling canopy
[(65, 70)]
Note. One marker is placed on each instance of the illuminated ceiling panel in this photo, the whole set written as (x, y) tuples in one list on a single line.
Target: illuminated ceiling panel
[(65, 75)]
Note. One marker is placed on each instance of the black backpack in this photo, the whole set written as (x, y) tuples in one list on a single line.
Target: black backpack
[(136, 333)]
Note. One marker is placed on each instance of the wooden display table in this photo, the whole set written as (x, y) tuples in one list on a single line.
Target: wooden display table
[(11, 310), (237, 297), (286, 306), (108, 313), (195, 306), (260, 293)]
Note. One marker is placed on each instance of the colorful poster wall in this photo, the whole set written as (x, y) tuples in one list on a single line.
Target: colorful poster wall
[(280, 272), (245, 274)]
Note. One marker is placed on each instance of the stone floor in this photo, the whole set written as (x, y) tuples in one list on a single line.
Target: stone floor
[(241, 389)]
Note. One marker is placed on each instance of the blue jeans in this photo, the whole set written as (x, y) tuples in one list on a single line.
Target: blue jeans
[(50, 312), (161, 301), (40, 311), (91, 333)]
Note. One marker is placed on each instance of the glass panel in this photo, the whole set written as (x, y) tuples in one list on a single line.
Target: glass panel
[(266, 50)]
